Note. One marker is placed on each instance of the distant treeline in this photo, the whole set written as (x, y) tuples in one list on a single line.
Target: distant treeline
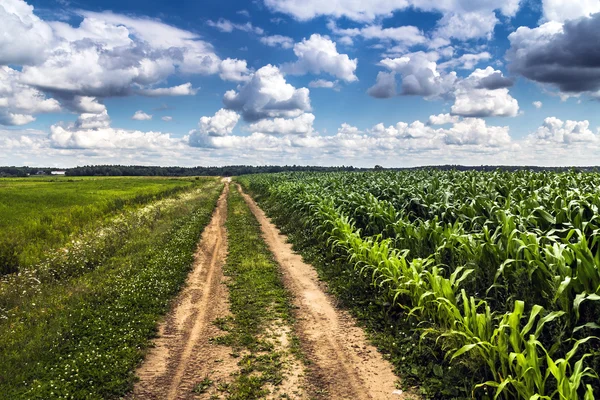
[(232, 170), (236, 170), (24, 171)]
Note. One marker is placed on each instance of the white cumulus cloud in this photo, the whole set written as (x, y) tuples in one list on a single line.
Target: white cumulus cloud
[(442, 119), (420, 74), (302, 125), (213, 129), (93, 131), (185, 89), (467, 25), (234, 70), (268, 95), (141, 116), (484, 93), (84, 104), (105, 55), (285, 42), (563, 10), (385, 87), (405, 36), (25, 38), (19, 103), (467, 61), (473, 101), (347, 129), (318, 54), (113, 55), (221, 124), (461, 19), (555, 130), (365, 11), (324, 83)]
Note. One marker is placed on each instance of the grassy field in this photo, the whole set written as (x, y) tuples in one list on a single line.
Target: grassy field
[(474, 284), (37, 214), (477, 284), (76, 328)]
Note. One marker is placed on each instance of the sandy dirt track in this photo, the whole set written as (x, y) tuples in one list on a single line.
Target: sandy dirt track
[(183, 354), (344, 364)]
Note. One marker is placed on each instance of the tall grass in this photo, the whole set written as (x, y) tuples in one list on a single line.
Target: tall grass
[(41, 214)]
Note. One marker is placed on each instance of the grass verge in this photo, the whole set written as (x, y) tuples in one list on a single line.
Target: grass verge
[(82, 338), (258, 302)]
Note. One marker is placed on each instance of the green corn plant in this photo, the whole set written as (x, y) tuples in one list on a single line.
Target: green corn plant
[(473, 253)]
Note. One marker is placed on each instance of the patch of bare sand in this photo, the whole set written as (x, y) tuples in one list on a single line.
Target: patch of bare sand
[(294, 384)]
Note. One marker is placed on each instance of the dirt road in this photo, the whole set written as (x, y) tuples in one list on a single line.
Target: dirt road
[(345, 365), (183, 354)]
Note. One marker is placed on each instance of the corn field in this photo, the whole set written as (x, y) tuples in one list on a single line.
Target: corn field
[(502, 268)]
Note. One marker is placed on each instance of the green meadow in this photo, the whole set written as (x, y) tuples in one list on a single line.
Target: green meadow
[(76, 324), (38, 214)]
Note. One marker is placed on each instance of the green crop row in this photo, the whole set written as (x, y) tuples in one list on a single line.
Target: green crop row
[(501, 269)]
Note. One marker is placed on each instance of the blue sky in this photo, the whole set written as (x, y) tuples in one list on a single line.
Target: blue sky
[(392, 82)]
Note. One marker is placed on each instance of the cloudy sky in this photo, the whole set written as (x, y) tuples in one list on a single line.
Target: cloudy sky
[(217, 82)]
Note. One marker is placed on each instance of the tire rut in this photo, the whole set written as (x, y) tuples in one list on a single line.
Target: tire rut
[(344, 364), (183, 353)]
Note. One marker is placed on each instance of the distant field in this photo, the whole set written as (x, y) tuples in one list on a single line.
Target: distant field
[(37, 214)]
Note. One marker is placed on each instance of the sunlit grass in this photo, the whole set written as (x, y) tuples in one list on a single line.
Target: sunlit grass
[(81, 335), (37, 214)]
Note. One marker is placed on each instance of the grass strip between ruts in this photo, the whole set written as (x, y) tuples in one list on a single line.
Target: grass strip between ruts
[(258, 301)]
